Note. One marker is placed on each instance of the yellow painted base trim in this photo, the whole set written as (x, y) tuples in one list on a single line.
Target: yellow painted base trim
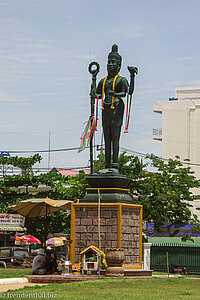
[(140, 238), (107, 189), (119, 226), (128, 267), (136, 267), (106, 205), (72, 247)]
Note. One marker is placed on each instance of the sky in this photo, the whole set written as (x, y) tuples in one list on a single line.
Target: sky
[(46, 47)]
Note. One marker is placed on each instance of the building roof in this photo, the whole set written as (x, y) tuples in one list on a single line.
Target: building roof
[(173, 241), (64, 172)]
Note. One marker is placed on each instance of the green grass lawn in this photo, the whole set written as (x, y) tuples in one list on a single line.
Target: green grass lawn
[(14, 273), (125, 288)]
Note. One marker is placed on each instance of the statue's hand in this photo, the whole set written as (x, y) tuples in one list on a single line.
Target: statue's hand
[(132, 70), (111, 93)]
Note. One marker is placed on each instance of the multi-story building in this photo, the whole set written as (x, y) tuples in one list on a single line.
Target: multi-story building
[(180, 133)]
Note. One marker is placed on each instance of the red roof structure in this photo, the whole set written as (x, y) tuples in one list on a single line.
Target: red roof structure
[(64, 172)]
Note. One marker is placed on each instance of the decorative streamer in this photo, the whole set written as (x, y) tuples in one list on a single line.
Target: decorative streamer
[(128, 112), (84, 136), (90, 128), (127, 105), (130, 102)]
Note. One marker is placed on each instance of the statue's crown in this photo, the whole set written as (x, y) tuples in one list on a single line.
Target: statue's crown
[(114, 53), (114, 48)]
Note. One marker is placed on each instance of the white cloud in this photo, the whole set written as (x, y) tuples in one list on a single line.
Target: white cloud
[(188, 58), (8, 98), (130, 32)]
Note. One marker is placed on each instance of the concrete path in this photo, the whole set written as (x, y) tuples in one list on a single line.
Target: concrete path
[(14, 284), (5, 287), (13, 280), (166, 276)]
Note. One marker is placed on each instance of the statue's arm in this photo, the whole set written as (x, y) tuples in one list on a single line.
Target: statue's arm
[(133, 71), (123, 88), (116, 95)]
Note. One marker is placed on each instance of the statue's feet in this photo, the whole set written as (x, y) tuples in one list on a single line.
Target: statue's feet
[(109, 171), (115, 166), (107, 166)]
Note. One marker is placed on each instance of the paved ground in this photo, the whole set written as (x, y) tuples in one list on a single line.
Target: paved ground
[(165, 276), (6, 287)]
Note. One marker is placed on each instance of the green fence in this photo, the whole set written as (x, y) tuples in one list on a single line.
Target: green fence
[(182, 256)]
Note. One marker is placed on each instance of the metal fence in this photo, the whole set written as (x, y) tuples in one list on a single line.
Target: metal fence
[(182, 256)]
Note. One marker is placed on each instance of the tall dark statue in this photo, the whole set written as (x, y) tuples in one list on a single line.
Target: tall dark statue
[(111, 90)]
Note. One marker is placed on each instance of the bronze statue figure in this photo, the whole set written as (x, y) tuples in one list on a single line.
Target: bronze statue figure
[(111, 90)]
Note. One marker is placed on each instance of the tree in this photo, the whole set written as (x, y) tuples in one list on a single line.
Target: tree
[(128, 165), (24, 163), (166, 195), (63, 188), (59, 187)]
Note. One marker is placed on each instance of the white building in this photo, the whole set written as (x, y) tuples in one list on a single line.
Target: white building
[(180, 133)]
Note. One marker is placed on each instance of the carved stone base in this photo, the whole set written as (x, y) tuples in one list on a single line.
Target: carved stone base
[(115, 272), (114, 259)]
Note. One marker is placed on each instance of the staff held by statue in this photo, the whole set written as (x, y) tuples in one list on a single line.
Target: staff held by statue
[(94, 70)]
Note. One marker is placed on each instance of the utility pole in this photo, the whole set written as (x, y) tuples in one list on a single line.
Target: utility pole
[(49, 152)]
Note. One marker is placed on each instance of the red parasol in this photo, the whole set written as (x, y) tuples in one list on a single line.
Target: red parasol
[(28, 239)]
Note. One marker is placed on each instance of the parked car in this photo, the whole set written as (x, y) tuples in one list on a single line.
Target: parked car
[(13, 256)]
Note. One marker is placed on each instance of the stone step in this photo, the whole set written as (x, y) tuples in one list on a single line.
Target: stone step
[(77, 278)]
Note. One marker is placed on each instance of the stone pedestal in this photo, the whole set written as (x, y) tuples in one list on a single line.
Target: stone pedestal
[(121, 227), (147, 256), (112, 185)]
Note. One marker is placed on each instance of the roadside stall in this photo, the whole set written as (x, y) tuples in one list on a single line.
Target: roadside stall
[(9, 225)]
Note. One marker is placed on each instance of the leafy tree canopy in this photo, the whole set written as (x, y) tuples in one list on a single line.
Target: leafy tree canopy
[(166, 194), (50, 185)]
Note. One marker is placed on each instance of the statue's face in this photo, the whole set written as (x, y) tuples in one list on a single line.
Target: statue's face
[(112, 65)]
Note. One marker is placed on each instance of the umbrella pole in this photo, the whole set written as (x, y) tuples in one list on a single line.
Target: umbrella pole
[(45, 228)]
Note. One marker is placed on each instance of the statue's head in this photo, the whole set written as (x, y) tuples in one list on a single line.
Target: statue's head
[(114, 60)]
